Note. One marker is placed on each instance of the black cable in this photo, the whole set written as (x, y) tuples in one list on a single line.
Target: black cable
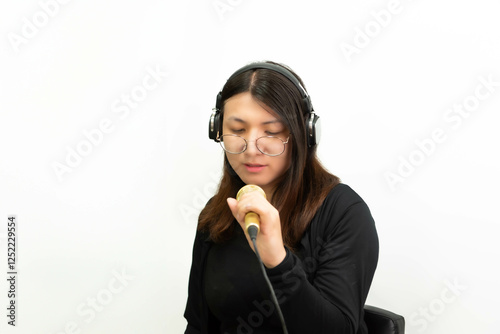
[(252, 232)]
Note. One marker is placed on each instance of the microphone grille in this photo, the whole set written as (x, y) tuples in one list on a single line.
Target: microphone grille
[(249, 188)]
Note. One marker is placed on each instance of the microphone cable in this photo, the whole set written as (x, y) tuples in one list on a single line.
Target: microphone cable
[(252, 232)]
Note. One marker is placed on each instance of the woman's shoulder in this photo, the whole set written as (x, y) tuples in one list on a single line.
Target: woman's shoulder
[(342, 203), (342, 196)]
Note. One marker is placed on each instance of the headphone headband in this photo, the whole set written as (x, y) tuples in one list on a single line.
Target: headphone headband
[(306, 100)]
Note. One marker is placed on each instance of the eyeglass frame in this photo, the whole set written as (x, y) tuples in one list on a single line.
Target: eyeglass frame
[(221, 143)]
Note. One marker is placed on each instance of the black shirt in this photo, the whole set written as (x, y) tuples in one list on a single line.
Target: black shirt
[(321, 287), (235, 289)]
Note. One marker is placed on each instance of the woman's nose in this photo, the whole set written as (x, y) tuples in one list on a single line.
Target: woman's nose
[(252, 145)]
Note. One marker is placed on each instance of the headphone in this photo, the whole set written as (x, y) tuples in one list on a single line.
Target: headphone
[(313, 125)]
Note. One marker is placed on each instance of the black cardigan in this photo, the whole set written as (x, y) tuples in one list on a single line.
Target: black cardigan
[(323, 285)]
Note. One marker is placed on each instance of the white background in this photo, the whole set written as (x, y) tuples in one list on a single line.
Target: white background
[(129, 205)]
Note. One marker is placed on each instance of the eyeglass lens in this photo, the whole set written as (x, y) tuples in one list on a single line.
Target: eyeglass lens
[(267, 145)]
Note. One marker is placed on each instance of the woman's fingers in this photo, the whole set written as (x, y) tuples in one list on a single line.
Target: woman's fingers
[(233, 206), (270, 242)]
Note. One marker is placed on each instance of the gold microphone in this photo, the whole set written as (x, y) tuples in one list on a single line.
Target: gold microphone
[(252, 221)]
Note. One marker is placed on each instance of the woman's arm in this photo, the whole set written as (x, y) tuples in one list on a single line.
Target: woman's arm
[(343, 267), (340, 269)]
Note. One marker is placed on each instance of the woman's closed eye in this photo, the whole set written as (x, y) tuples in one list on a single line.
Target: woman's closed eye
[(266, 133), (269, 133)]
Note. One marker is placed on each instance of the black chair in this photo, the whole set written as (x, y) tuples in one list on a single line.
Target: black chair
[(380, 321)]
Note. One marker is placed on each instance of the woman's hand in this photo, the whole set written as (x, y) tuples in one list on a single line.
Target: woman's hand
[(269, 240)]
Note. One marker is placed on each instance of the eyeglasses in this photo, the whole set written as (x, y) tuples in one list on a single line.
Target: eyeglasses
[(268, 145)]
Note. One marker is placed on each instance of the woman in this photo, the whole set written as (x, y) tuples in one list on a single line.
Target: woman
[(317, 238)]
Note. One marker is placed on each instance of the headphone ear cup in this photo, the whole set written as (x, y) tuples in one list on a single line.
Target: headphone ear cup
[(313, 129), (214, 126)]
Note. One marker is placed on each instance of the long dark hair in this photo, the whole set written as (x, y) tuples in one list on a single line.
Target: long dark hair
[(302, 188)]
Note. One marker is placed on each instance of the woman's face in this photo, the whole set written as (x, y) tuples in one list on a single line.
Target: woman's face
[(245, 117)]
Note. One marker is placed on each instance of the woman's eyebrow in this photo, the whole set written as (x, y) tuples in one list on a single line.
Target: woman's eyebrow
[(236, 119), (233, 118), (273, 122)]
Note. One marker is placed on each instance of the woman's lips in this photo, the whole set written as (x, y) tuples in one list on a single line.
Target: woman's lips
[(254, 168)]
